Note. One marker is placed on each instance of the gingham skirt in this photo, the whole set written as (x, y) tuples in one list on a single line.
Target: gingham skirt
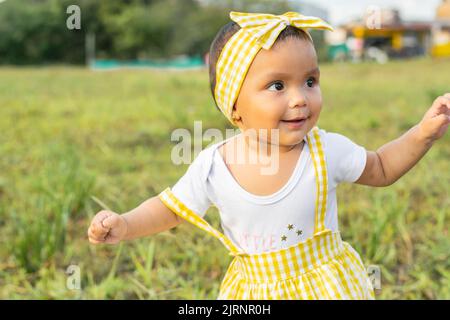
[(321, 267)]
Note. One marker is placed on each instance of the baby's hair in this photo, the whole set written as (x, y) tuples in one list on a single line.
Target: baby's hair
[(226, 32)]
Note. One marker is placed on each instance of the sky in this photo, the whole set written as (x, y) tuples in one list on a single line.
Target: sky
[(343, 10)]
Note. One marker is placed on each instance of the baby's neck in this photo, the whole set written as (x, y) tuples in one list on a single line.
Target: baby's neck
[(269, 158), (262, 148)]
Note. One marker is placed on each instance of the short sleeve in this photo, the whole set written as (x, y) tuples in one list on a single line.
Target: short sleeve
[(190, 189), (346, 159)]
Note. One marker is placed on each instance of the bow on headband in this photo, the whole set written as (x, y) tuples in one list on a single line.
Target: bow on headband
[(258, 30)]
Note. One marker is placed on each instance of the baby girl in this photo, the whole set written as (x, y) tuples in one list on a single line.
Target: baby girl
[(281, 229)]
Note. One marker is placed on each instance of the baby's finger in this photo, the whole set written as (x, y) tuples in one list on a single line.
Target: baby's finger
[(442, 100), (95, 238), (440, 106), (98, 230), (102, 215), (93, 232), (447, 96), (98, 219), (111, 221)]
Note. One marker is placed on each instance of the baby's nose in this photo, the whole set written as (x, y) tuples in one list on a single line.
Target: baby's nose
[(297, 99)]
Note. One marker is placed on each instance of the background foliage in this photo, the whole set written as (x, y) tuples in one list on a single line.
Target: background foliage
[(35, 31)]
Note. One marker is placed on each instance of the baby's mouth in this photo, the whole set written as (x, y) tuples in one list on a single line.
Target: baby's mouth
[(295, 123)]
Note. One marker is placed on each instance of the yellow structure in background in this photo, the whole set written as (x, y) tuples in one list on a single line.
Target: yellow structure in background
[(384, 32), (395, 33), (441, 31), (395, 38)]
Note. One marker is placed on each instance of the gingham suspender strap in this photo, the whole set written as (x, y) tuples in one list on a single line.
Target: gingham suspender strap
[(320, 168), (317, 154), (169, 199)]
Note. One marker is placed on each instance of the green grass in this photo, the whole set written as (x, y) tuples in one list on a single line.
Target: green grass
[(73, 140)]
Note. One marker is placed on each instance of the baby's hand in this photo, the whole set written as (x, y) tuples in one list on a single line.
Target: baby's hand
[(107, 227), (436, 120)]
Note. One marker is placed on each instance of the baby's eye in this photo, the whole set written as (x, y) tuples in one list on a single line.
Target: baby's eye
[(278, 85), (310, 82)]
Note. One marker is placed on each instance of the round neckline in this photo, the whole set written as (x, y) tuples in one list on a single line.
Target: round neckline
[(277, 195)]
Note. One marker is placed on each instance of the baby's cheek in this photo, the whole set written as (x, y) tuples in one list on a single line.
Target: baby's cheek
[(316, 99), (270, 117), (275, 123)]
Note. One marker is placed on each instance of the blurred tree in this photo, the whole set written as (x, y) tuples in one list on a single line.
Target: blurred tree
[(195, 32), (140, 30), (35, 31)]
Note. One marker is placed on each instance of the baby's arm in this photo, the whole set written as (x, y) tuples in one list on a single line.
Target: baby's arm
[(154, 216), (150, 217), (386, 165)]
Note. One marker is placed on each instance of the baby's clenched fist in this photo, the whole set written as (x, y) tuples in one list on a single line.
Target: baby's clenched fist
[(436, 120), (107, 227)]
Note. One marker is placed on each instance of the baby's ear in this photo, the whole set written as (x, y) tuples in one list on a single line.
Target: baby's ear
[(235, 114)]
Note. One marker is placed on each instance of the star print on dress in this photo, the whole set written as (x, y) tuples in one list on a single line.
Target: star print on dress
[(290, 226)]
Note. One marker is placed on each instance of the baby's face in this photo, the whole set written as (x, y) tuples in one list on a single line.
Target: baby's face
[(281, 84)]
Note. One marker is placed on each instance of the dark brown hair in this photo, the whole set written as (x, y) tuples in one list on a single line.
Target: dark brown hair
[(226, 32)]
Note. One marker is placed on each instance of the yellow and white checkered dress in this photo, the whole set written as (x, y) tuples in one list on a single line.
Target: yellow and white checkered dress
[(320, 267)]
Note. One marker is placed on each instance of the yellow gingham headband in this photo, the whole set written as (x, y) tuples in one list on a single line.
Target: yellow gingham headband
[(258, 30)]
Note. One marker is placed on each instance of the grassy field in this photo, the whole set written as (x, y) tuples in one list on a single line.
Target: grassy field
[(74, 140)]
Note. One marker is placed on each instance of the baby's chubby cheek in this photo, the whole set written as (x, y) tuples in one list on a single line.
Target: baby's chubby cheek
[(266, 121)]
